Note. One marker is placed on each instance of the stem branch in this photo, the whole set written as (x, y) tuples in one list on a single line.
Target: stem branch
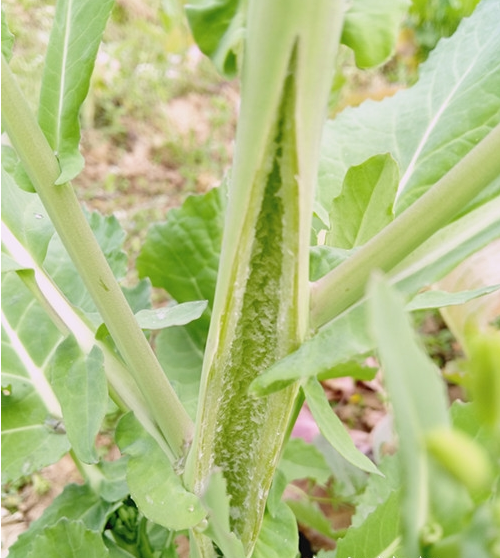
[(345, 284)]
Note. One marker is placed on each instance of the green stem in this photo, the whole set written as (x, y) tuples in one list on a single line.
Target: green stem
[(69, 221), (344, 285)]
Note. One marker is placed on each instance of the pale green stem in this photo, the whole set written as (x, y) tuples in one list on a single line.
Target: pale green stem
[(69, 221), (345, 284)]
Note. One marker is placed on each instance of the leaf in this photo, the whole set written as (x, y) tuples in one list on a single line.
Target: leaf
[(308, 513), (378, 489), (301, 460), (180, 352), (439, 299), (365, 204), (179, 314), (69, 538), (218, 27), (155, 487), (323, 259), (76, 502), (182, 254), (332, 428), (80, 384), (28, 441), (418, 398), (74, 41), (26, 218), (281, 527), (30, 333), (378, 537), (315, 358), (7, 38), (371, 29), (424, 127)]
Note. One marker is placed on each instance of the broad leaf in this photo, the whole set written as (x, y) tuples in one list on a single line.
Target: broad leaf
[(154, 485), (80, 384), (73, 45), (332, 428), (301, 460), (77, 502), (431, 126), (35, 304), (365, 205), (182, 254), (280, 526), (418, 398), (26, 218), (371, 29), (180, 352), (68, 538), (378, 537), (28, 404), (309, 514)]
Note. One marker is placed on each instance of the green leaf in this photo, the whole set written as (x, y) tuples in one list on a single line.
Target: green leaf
[(26, 218), (182, 254), (431, 126), (301, 460), (439, 299), (378, 489), (365, 205), (76, 502), (80, 384), (179, 314), (180, 352), (347, 334), (68, 538), (323, 259), (378, 537), (332, 428), (155, 487), (308, 513), (418, 398), (28, 441), (7, 38), (282, 527), (371, 29), (58, 265), (218, 27), (74, 41)]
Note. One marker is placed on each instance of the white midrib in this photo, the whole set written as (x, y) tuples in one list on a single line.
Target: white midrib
[(62, 84), (36, 375), (430, 127)]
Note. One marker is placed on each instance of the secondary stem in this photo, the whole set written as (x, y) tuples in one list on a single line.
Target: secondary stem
[(344, 285), (69, 221)]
